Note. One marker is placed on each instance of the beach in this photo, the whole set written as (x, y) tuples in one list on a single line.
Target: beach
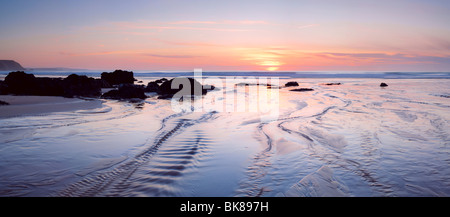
[(351, 139), (39, 105)]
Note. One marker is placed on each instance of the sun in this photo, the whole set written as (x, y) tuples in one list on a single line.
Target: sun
[(272, 68)]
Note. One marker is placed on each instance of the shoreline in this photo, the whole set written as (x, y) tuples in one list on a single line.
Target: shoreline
[(38, 105)]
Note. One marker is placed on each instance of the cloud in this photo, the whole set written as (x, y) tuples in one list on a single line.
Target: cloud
[(232, 22), (387, 58), (194, 43), (170, 56), (130, 25)]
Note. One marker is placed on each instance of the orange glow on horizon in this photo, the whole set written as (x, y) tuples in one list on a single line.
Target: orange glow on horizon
[(272, 68)]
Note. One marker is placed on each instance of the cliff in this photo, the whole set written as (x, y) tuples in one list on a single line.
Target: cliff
[(10, 65)]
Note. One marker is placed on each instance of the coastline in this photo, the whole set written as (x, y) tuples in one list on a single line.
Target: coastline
[(37, 105)]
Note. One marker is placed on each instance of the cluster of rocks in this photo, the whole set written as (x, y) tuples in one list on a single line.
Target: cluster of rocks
[(21, 83)]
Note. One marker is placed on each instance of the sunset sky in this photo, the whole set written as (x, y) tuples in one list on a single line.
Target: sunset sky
[(259, 35)]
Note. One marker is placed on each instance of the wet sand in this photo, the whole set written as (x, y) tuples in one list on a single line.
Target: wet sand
[(37, 105)]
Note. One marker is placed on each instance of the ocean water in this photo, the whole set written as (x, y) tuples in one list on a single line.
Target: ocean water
[(353, 139)]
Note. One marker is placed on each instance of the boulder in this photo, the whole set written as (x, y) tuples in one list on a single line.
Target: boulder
[(166, 91), (329, 84), (152, 87), (81, 85), (383, 85), (3, 88), (103, 83), (126, 91), (21, 83), (291, 84), (303, 89), (118, 77)]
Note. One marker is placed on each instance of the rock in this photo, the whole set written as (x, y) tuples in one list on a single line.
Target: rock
[(140, 82), (303, 89), (166, 87), (126, 91), (118, 77), (50, 87), (383, 85), (329, 84), (152, 87), (81, 85), (103, 83), (3, 103), (291, 84), (21, 83), (10, 65), (3, 88)]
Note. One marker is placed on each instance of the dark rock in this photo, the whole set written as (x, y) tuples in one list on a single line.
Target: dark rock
[(118, 77), (329, 84), (196, 89), (162, 80), (3, 103), (81, 85), (126, 91), (10, 65), (383, 85), (3, 88), (152, 87), (140, 82), (50, 87), (21, 83), (303, 89), (103, 83), (291, 84)]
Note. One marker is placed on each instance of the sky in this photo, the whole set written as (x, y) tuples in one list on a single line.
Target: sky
[(243, 35)]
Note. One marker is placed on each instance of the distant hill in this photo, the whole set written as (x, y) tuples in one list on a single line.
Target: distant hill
[(10, 65)]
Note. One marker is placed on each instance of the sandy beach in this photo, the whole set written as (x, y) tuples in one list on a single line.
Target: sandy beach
[(38, 105), (352, 139)]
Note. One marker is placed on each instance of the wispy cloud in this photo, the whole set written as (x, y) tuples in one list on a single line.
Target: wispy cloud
[(170, 56), (130, 25), (193, 43), (222, 22), (387, 58)]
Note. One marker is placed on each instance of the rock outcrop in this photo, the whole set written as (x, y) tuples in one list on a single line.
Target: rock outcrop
[(126, 91), (291, 84), (303, 89), (166, 90), (118, 77), (152, 87), (21, 83), (383, 85)]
